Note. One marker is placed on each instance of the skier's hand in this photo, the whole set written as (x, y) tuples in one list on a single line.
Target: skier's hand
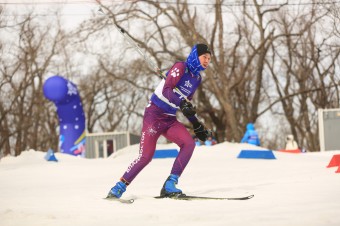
[(200, 131), (187, 109)]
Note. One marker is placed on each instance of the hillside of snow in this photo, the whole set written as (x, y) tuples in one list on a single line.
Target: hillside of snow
[(293, 189)]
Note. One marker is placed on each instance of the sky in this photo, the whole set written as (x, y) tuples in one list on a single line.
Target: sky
[(73, 12), (293, 189)]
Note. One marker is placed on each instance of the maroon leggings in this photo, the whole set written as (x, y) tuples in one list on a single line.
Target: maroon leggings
[(156, 123)]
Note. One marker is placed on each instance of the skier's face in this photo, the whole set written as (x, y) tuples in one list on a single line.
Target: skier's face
[(205, 59)]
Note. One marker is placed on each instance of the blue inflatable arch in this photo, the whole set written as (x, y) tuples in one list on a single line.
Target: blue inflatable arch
[(64, 94)]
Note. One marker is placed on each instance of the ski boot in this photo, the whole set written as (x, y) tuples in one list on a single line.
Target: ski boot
[(117, 191), (169, 189)]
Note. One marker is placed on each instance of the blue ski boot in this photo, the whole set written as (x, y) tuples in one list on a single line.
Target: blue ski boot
[(169, 189), (117, 191)]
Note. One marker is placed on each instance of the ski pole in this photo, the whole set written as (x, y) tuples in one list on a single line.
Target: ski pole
[(153, 66)]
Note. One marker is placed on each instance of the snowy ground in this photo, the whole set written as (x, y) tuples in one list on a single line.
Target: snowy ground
[(294, 189)]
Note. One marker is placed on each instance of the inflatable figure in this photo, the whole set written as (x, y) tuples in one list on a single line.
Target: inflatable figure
[(65, 96)]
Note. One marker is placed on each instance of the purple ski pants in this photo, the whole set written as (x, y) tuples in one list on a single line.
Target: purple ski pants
[(156, 123)]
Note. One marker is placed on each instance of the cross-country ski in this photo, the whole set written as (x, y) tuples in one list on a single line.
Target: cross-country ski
[(192, 197), (121, 200)]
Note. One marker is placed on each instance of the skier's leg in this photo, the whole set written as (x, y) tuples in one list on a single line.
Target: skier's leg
[(179, 135), (153, 126)]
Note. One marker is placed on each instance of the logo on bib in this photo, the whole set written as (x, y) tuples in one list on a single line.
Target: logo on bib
[(188, 84)]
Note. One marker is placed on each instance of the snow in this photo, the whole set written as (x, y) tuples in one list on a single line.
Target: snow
[(293, 189)]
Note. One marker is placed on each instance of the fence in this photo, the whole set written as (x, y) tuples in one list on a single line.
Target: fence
[(102, 145)]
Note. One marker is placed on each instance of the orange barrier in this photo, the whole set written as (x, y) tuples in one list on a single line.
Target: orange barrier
[(338, 171), (335, 161), (296, 151)]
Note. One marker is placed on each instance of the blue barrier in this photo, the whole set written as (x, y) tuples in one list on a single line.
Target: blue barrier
[(165, 153), (256, 154), (50, 156)]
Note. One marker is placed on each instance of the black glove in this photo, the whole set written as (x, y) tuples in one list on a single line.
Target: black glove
[(200, 131), (187, 108)]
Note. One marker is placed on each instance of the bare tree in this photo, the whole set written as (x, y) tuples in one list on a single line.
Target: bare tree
[(267, 60), (23, 70), (303, 71), (238, 88), (114, 87)]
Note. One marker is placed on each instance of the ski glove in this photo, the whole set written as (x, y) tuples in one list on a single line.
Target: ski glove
[(200, 131), (187, 108)]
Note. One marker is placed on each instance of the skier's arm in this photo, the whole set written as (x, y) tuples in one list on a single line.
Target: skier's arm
[(175, 74)]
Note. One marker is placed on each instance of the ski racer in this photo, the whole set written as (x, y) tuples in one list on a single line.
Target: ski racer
[(160, 119)]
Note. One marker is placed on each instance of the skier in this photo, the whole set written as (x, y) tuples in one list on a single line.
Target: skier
[(251, 136), (160, 119)]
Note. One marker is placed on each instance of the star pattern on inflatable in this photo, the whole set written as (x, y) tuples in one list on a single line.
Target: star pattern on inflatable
[(71, 89)]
